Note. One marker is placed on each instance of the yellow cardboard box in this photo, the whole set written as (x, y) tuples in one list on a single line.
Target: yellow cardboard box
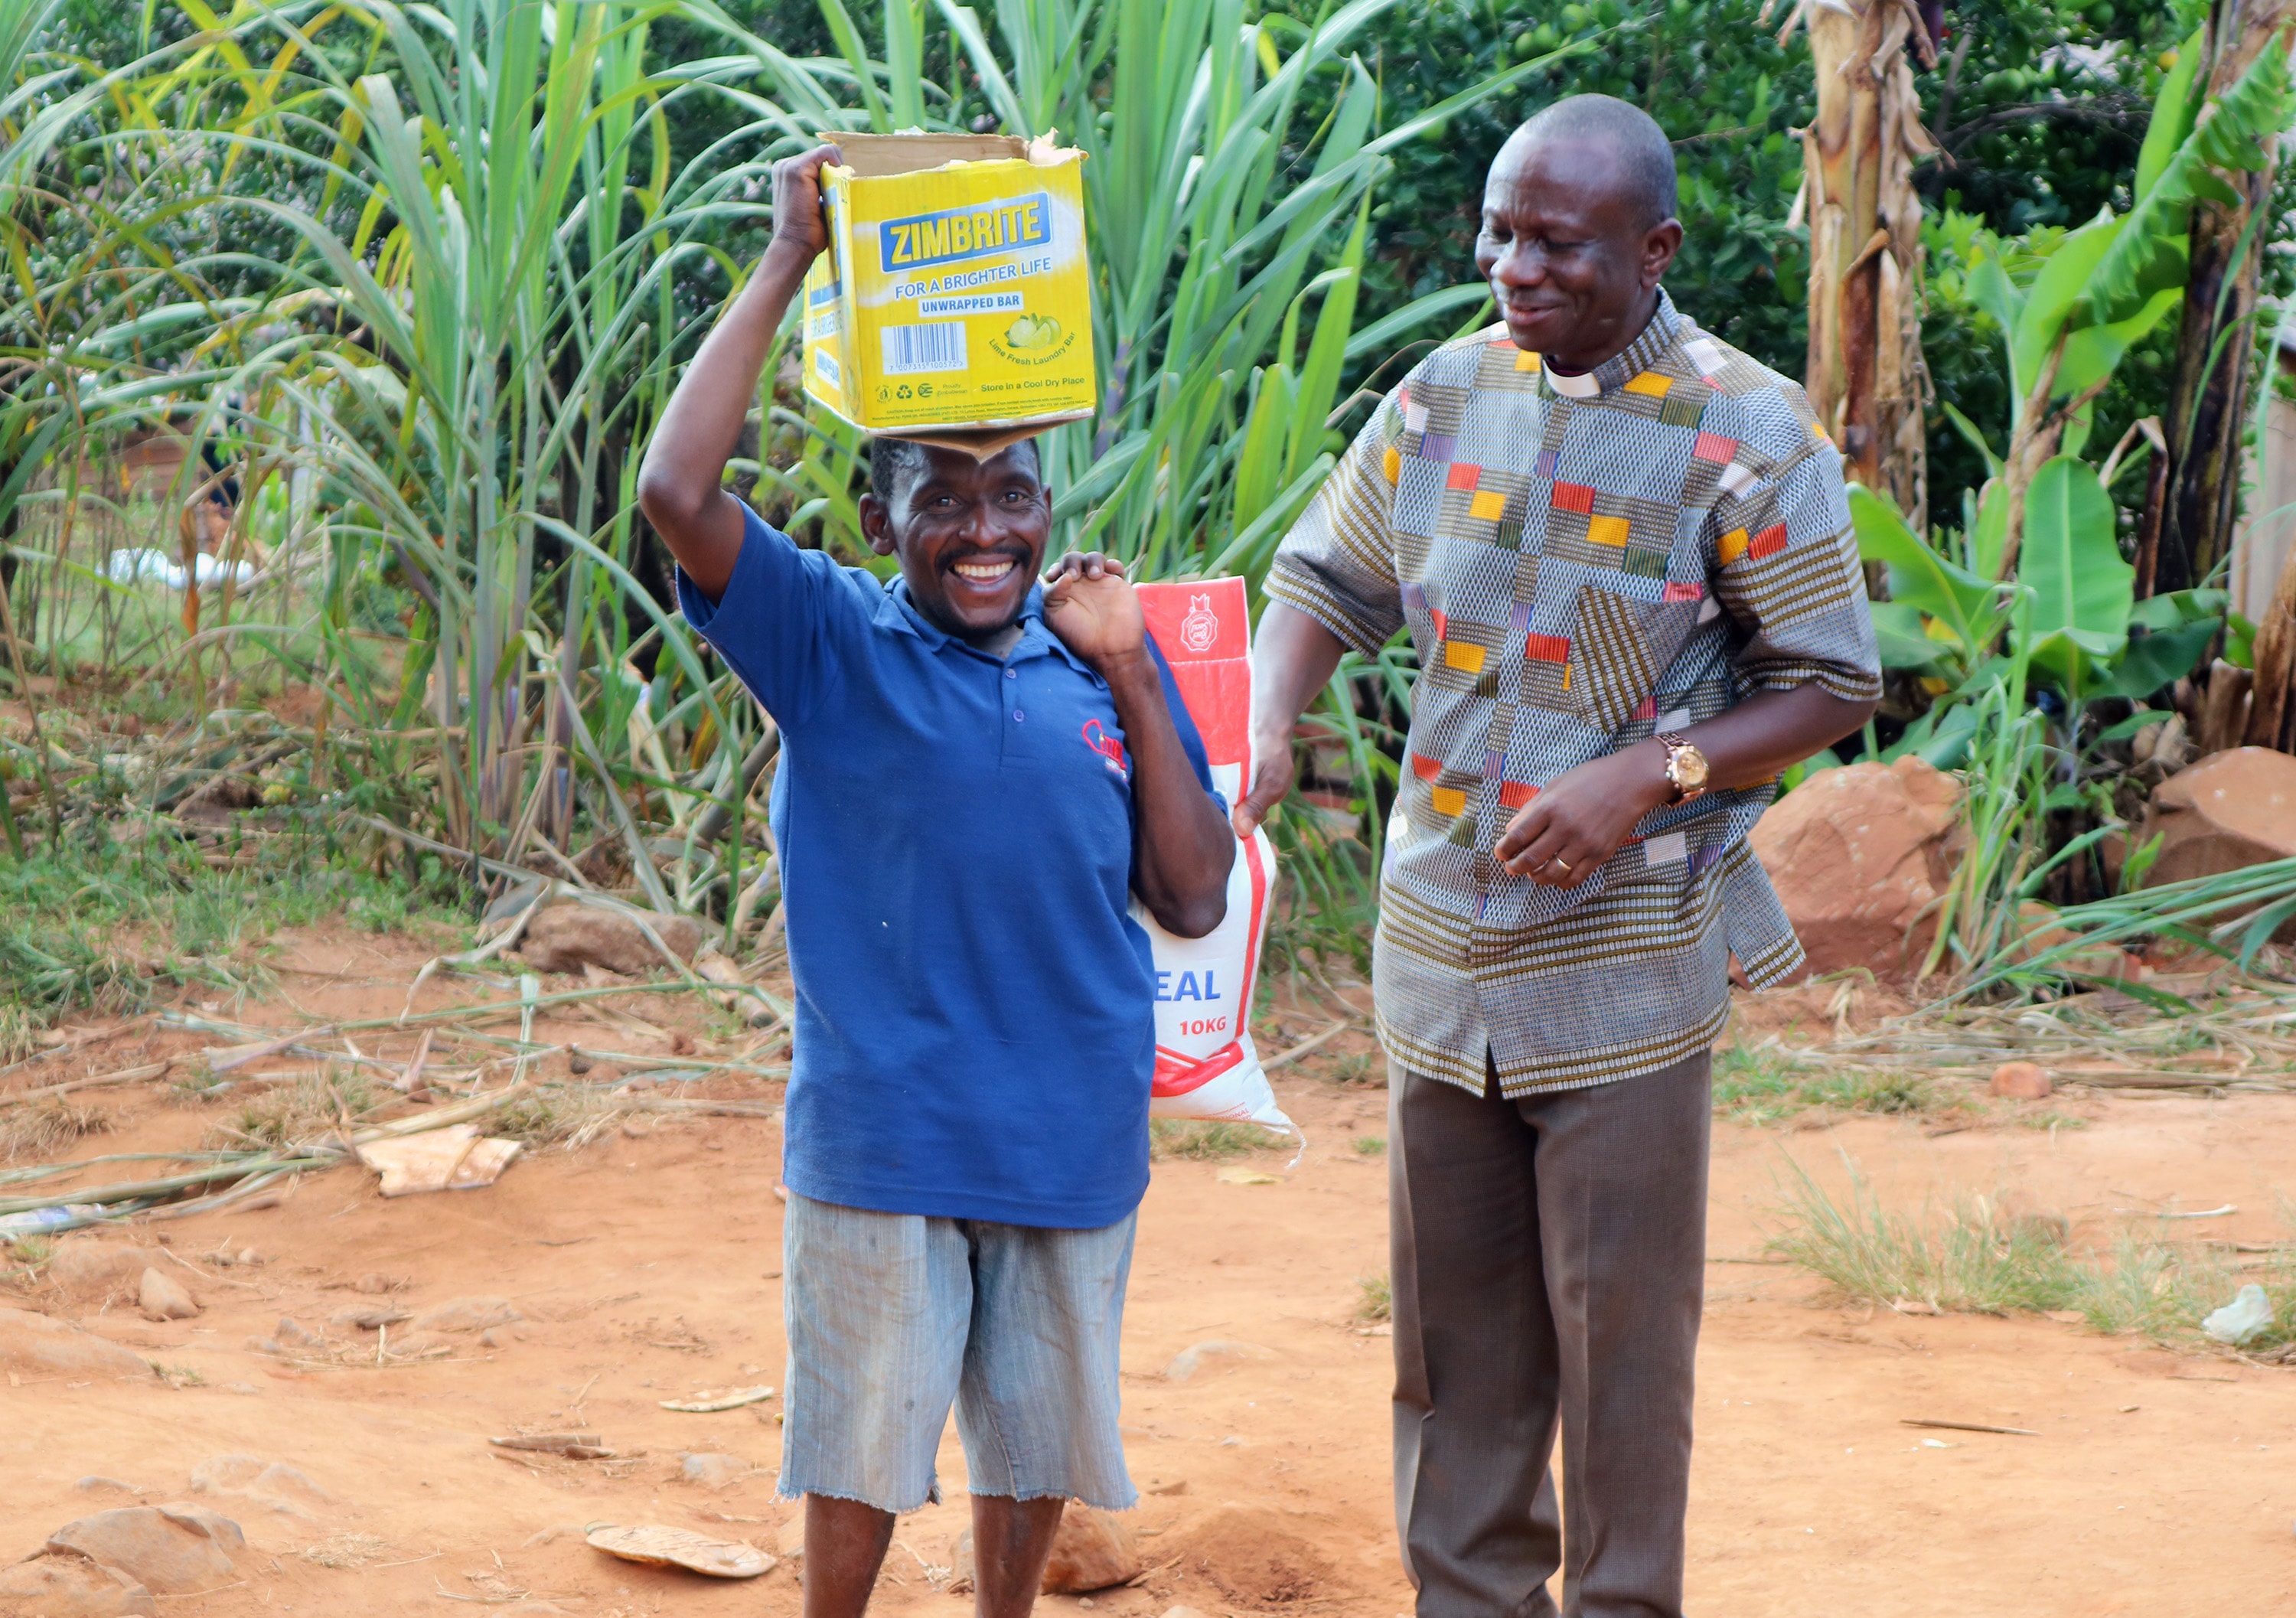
[(955, 297)]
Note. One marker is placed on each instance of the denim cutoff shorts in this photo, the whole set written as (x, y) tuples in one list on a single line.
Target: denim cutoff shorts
[(891, 1317)]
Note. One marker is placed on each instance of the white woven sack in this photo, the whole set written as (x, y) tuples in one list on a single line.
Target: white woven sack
[(1206, 1067)]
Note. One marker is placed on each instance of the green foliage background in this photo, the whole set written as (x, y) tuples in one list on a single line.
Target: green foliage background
[(2040, 106)]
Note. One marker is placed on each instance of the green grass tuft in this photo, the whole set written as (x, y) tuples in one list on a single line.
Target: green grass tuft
[(1757, 1084), (38, 1129), (1977, 1258), (31, 1250), (311, 1108), (1374, 1299), (1370, 1145), (1185, 1137)]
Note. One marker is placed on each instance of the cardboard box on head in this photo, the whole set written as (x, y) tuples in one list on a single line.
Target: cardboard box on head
[(955, 304)]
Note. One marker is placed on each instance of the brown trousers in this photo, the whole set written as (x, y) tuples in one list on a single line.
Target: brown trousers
[(1549, 1267)]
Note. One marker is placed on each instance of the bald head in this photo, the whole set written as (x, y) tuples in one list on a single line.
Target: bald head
[(1579, 227), (1641, 158)]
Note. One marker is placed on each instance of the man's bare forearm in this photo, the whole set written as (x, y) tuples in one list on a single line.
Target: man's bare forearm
[(1293, 658), (1769, 732), (682, 486)]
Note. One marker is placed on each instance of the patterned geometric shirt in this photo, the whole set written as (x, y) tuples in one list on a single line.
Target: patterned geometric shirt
[(1580, 561)]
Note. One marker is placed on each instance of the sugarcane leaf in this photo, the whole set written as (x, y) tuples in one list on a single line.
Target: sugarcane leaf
[(2263, 925), (1415, 314)]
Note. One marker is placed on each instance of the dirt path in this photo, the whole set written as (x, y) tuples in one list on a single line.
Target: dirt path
[(648, 1267)]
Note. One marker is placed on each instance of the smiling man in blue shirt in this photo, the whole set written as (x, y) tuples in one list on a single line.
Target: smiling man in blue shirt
[(978, 776)]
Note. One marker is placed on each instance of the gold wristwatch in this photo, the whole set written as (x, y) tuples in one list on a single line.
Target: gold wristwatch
[(1686, 767)]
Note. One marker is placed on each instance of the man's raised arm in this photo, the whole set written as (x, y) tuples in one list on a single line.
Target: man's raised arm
[(682, 485)]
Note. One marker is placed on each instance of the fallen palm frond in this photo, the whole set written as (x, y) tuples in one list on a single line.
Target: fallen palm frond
[(317, 1118), (2237, 1035)]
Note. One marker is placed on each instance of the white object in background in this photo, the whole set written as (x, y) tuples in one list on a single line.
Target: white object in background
[(1206, 1066), (2249, 1313), (130, 565)]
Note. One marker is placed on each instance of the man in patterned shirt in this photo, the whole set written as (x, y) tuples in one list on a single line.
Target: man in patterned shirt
[(1622, 552)]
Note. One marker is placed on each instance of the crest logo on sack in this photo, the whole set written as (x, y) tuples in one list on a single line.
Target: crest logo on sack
[(1200, 628), (1110, 750)]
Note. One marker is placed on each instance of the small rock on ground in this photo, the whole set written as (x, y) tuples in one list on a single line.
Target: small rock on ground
[(714, 1470), (105, 1485), (65, 1584), (37, 1345), (568, 937), (172, 1550), (1093, 1550), (466, 1315), (87, 1266), (162, 1297), (1188, 1361), (269, 1485), (2020, 1081)]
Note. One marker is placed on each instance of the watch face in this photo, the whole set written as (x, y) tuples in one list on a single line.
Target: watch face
[(1688, 768)]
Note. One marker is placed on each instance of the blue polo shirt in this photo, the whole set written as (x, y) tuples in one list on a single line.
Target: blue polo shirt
[(975, 1030)]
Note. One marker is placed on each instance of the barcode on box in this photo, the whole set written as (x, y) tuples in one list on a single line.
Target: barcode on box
[(909, 349)]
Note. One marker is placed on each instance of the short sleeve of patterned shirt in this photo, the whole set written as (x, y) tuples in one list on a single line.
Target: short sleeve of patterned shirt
[(1579, 560)]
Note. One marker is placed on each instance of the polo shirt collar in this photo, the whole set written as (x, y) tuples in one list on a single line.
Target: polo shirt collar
[(899, 611), (1615, 372)]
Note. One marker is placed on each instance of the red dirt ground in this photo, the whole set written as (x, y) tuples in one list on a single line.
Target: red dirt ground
[(648, 1266)]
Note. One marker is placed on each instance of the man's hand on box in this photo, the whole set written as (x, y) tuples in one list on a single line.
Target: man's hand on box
[(1089, 604), (798, 224)]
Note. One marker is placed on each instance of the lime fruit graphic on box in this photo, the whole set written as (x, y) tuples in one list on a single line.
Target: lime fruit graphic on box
[(954, 296)]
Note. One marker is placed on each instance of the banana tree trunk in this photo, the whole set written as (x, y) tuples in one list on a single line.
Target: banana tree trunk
[(1864, 376), (2208, 386), (2272, 701)]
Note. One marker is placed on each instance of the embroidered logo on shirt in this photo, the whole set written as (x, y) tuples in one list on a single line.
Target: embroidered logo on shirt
[(1110, 750)]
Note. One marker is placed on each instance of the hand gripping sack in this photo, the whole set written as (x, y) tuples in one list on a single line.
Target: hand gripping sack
[(1205, 1064)]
